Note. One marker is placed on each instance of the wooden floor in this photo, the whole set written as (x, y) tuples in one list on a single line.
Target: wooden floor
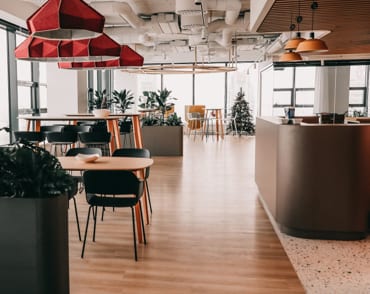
[(208, 232)]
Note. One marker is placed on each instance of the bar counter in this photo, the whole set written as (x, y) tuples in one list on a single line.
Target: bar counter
[(314, 179)]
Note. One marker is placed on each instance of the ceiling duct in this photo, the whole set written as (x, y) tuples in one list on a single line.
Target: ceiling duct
[(191, 22), (121, 8), (187, 7)]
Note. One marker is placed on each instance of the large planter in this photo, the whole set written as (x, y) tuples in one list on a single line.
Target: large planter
[(34, 245), (163, 140)]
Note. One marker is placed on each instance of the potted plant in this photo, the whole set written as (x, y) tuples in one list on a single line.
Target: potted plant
[(100, 103), (162, 132), (33, 221), (123, 100)]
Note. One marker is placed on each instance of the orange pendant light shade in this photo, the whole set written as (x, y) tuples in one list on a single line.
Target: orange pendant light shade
[(312, 45), (290, 56), (66, 19), (128, 57), (292, 44)]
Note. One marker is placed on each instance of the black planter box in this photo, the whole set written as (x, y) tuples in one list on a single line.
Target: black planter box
[(34, 246)]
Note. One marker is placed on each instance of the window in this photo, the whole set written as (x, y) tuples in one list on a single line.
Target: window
[(294, 86), (4, 98), (183, 91), (210, 89), (358, 90)]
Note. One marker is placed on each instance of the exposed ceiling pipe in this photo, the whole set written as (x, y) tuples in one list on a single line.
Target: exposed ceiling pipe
[(225, 40), (121, 8), (232, 8)]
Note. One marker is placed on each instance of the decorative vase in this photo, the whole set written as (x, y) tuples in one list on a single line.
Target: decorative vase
[(101, 112)]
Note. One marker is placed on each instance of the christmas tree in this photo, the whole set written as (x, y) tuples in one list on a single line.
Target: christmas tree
[(243, 116)]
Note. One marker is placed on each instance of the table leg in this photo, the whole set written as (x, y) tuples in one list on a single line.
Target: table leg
[(139, 144), (37, 126), (137, 132), (117, 135), (111, 130)]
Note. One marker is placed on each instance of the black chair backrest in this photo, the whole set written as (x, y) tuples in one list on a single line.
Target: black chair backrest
[(61, 138), (134, 152), (94, 137), (99, 127), (33, 137), (112, 182), (76, 129), (83, 150), (53, 128)]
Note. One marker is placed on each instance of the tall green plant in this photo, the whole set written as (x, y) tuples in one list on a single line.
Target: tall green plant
[(123, 99), (100, 100)]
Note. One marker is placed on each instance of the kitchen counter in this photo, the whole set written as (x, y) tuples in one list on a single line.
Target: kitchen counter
[(314, 179)]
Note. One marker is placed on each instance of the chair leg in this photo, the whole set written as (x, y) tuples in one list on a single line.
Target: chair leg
[(77, 220), (87, 225), (133, 229), (96, 214), (142, 221), (148, 194)]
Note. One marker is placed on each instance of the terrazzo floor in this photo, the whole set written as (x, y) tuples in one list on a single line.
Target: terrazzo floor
[(323, 266)]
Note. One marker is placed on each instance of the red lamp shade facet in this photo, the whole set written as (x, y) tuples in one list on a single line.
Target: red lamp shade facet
[(66, 19), (128, 57), (98, 49)]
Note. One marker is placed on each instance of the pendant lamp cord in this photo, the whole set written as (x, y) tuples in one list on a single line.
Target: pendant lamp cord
[(314, 6)]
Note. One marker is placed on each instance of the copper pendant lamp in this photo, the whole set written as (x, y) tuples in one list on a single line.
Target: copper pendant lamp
[(290, 56), (66, 19), (128, 57), (97, 49), (293, 43), (312, 45)]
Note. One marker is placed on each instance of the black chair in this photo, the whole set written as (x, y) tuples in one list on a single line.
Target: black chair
[(137, 152), (102, 186), (96, 139), (79, 179), (52, 128), (64, 140), (125, 128), (76, 128), (31, 136)]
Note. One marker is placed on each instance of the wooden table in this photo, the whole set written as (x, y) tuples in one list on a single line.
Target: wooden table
[(111, 120), (112, 163), (214, 114)]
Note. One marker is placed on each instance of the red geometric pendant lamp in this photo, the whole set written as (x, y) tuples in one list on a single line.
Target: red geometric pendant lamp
[(128, 57), (97, 49), (66, 19)]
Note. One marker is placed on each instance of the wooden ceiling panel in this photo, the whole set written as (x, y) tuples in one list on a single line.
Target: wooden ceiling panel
[(348, 22)]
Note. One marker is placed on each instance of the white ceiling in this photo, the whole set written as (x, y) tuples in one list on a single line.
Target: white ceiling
[(159, 32)]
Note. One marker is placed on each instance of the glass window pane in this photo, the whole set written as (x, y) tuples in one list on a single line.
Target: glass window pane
[(210, 89), (4, 97), (182, 89), (357, 97), (283, 78), (305, 77), (43, 98), (23, 67), (358, 76), (278, 111), (24, 100), (282, 97), (305, 97), (303, 111), (42, 71)]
